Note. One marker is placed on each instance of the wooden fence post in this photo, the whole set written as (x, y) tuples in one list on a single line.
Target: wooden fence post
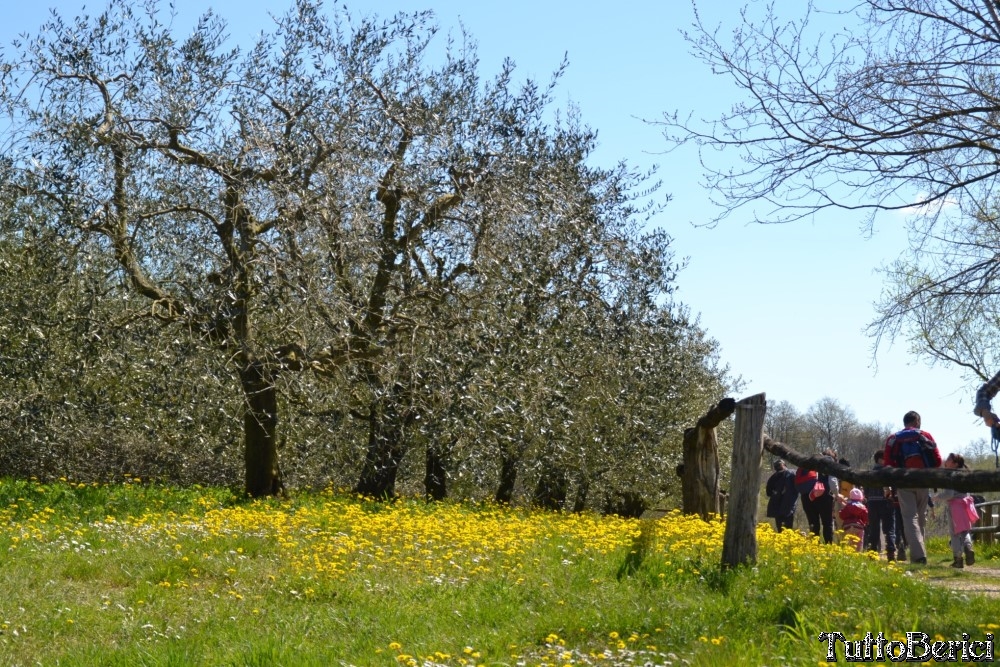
[(739, 546), (985, 529), (700, 476)]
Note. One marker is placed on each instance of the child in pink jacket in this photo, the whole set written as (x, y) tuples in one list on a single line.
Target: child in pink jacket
[(961, 515)]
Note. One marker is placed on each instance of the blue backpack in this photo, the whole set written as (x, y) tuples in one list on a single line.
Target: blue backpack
[(911, 449)]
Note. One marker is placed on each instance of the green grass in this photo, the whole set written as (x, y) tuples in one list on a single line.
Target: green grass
[(139, 574)]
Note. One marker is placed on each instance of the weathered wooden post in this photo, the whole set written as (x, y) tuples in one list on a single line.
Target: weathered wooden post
[(700, 477), (739, 546)]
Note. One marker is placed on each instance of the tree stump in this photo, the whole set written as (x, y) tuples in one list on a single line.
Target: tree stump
[(739, 545)]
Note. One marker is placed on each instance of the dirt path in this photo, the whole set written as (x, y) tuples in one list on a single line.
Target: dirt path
[(983, 579)]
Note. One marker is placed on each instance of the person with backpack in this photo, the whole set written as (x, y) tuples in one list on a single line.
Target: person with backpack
[(782, 496), (817, 492), (913, 448)]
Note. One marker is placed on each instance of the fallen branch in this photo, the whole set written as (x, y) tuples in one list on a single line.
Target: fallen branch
[(901, 478)]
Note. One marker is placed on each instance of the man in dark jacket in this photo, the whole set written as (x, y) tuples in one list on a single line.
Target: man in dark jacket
[(781, 496), (881, 514)]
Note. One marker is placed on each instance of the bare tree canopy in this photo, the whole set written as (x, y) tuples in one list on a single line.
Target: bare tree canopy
[(827, 424), (943, 295), (895, 107), (881, 106)]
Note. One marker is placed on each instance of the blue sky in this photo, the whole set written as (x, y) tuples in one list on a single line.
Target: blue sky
[(788, 303)]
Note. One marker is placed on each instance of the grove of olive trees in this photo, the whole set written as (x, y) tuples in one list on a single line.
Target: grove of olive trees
[(339, 256)]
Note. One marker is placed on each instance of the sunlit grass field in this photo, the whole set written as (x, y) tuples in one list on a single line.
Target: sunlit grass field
[(142, 574)]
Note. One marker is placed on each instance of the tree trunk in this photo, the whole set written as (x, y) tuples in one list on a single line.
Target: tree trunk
[(551, 489), (739, 546), (385, 451), (260, 423), (435, 474), (627, 504), (580, 499), (508, 478)]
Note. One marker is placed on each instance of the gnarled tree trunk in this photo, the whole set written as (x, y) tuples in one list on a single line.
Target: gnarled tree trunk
[(260, 423), (435, 473), (551, 488), (580, 499), (508, 478), (628, 504), (385, 452)]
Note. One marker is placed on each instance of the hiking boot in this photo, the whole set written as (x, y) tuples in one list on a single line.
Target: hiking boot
[(957, 563), (890, 555), (901, 555), (920, 561), (970, 557)]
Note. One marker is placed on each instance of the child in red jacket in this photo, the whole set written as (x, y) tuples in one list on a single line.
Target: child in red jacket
[(854, 516)]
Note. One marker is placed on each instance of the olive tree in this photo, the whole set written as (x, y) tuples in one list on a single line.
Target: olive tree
[(531, 358), (91, 392)]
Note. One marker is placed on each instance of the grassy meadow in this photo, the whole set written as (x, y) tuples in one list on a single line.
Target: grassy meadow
[(142, 574)]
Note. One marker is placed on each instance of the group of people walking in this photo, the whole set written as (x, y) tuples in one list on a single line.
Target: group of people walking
[(874, 515)]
